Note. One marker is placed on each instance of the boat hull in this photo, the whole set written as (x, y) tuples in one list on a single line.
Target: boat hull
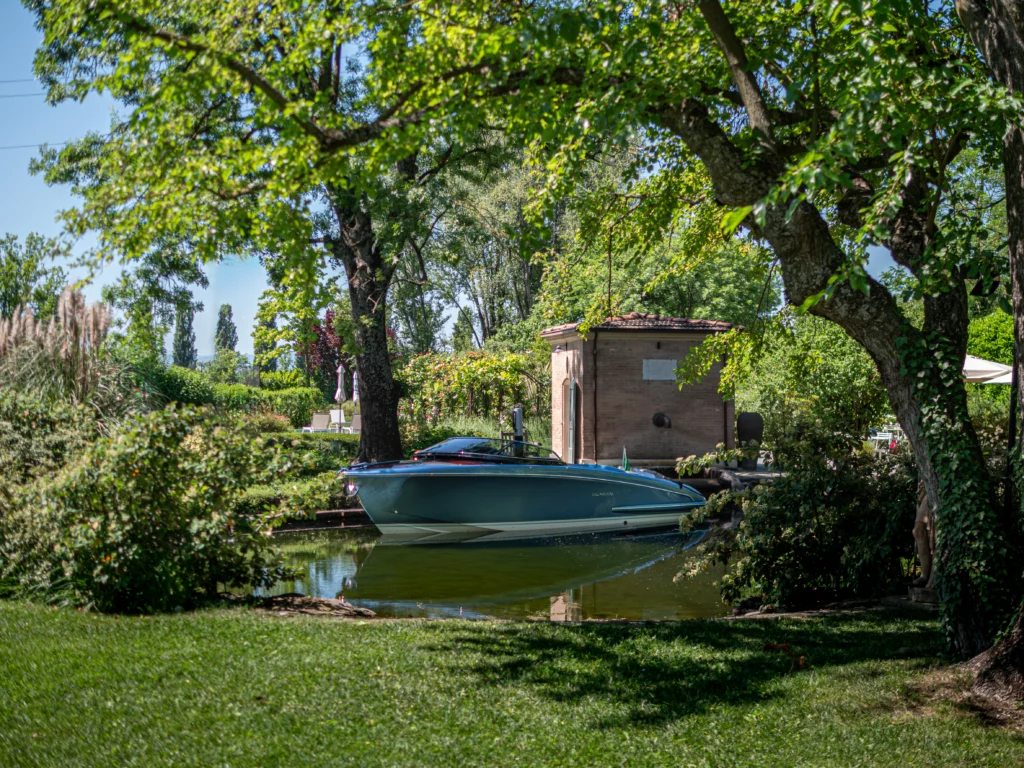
[(439, 497)]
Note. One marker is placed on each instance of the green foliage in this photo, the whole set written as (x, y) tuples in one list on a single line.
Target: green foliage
[(184, 385), (475, 383), (979, 573), (153, 292), (991, 337), (268, 423), (989, 409), (183, 351), (836, 524), (239, 398), (226, 366), (732, 282), (794, 369), (417, 436), (297, 403), (37, 438), (262, 346), (313, 453), (25, 279), (462, 332), (274, 380), (145, 521), (295, 499), (226, 335)]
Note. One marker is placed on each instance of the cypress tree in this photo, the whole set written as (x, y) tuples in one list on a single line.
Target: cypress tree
[(183, 352), (226, 335)]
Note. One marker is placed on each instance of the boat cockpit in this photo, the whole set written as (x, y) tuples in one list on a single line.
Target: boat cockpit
[(488, 450)]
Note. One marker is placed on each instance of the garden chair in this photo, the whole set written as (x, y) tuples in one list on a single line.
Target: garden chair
[(356, 426), (337, 420), (319, 423)]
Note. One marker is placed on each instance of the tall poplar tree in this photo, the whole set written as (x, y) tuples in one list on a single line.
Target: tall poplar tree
[(226, 334), (183, 351)]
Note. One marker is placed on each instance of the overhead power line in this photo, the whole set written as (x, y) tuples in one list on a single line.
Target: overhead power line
[(21, 80), (35, 146), (20, 95)]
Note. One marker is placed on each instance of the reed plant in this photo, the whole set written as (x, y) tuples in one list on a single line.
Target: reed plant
[(64, 359)]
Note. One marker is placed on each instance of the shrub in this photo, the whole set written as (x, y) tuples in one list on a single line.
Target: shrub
[(275, 380), (184, 385), (239, 398), (146, 519), (297, 403), (311, 453), (37, 438), (295, 499), (838, 523), (416, 437), (269, 423)]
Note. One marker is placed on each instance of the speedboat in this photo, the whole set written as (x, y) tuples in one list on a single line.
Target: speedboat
[(472, 484)]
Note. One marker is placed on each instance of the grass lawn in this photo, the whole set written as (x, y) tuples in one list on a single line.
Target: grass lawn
[(234, 687)]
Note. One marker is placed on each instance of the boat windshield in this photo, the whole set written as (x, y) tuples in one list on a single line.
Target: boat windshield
[(490, 450)]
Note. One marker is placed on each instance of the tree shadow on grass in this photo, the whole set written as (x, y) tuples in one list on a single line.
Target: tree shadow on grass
[(653, 673)]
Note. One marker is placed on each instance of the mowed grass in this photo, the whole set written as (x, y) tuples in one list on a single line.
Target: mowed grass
[(234, 687)]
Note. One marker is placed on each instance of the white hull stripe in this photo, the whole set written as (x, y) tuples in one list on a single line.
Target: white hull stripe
[(616, 523)]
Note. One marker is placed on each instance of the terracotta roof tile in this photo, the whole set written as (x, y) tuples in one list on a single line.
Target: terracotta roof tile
[(640, 321)]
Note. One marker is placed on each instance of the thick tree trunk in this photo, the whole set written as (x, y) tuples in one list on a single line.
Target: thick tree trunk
[(369, 276), (997, 29), (378, 395)]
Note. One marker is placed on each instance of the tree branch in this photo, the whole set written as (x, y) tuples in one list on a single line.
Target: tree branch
[(736, 58)]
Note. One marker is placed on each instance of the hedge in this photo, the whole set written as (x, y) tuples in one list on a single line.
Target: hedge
[(297, 403), (183, 385), (240, 398)]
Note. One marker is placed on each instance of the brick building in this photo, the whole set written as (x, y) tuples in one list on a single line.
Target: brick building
[(617, 388)]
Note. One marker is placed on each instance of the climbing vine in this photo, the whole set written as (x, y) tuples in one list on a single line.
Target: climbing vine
[(977, 581), (473, 384)]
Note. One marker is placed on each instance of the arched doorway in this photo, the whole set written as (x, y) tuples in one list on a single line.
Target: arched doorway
[(570, 421)]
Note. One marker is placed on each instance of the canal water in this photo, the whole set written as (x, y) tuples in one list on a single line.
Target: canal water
[(557, 578)]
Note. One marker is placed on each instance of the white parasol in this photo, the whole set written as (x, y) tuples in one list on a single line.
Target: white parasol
[(977, 369), (1006, 378)]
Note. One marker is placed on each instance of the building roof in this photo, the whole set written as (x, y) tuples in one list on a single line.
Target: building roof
[(641, 321)]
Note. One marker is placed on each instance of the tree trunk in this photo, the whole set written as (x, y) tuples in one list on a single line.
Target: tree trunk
[(369, 276), (997, 30), (378, 396)]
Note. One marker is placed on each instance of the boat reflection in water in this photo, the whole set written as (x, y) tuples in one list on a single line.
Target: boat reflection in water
[(567, 578)]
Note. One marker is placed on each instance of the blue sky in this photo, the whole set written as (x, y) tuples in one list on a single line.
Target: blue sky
[(27, 204)]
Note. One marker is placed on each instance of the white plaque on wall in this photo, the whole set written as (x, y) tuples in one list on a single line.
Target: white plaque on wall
[(660, 370)]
